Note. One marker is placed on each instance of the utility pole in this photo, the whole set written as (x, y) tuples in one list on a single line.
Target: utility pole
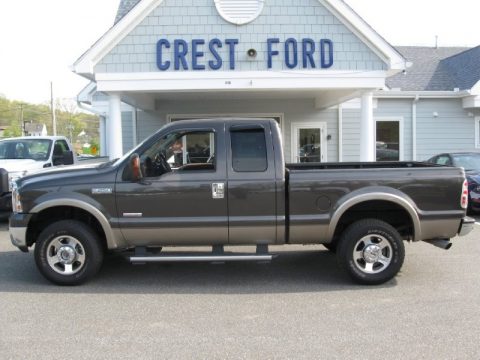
[(22, 124), (54, 118)]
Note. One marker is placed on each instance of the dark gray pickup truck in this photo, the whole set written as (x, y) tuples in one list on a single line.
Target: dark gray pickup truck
[(224, 182)]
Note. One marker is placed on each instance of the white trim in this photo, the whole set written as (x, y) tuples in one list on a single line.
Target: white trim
[(244, 80), (367, 35), (86, 63), (237, 15), (385, 94), (322, 125), (220, 75), (477, 130), (398, 119), (471, 102)]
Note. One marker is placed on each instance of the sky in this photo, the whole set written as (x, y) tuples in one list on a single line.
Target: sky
[(40, 39)]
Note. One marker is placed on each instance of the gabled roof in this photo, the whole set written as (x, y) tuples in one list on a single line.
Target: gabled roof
[(438, 69), (132, 12)]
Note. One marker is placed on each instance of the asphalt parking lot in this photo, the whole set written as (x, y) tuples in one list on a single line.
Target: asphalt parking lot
[(299, 306)]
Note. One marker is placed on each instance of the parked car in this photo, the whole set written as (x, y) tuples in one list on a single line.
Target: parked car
[(470, 161), (27, 155), (244, 194)]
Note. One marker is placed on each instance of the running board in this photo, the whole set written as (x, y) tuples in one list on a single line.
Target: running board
[(217, 255)]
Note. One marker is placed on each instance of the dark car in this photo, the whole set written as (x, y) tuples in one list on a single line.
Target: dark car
[(470, 161)]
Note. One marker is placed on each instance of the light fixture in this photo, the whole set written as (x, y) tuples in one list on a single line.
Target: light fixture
[(252, 53)]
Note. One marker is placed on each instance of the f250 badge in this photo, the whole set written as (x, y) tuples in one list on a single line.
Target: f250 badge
[(102, 191)]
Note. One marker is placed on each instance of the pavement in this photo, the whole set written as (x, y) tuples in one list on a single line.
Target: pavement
[(299, 306)]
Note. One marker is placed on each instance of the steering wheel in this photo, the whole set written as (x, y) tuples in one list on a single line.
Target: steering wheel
[(161, 165), (39, 156)]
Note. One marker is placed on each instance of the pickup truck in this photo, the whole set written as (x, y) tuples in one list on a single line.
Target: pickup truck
[(234, 190), (27, 155)]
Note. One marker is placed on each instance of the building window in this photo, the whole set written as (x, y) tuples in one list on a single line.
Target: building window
[(389, 140)]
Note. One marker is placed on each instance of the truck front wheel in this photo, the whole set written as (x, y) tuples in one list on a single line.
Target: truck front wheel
[(68, 252), (371, 251)]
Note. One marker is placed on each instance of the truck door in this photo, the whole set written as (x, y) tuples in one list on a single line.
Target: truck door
[(181, 198), (251, 184)]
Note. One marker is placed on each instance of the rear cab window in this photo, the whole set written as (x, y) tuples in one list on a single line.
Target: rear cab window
[(249, 150)]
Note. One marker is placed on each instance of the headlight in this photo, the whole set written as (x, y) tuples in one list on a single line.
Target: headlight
[(16, 203), (476, 188), (12, 176)]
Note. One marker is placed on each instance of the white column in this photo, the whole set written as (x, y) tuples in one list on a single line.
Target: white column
[(367, 129), (102, 135), (114, 128)]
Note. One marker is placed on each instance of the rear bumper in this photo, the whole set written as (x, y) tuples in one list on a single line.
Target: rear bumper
[(466, 226)]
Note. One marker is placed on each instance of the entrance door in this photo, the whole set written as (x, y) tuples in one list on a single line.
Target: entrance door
[(388, 140), (308, 144)]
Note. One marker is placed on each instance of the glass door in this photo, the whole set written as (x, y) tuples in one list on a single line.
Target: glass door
[(308, 143), (388, 135)]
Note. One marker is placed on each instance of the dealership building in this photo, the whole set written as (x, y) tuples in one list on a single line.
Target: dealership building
[(339, 91)]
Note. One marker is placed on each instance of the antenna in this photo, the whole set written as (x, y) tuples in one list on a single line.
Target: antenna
[(436, 41)]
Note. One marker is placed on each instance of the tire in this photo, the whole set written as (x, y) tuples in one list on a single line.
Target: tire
[(68, 252), (371, 251)]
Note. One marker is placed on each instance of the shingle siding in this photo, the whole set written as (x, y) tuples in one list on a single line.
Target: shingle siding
[(184, 19)]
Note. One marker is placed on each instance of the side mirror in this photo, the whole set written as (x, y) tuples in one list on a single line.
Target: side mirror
[(135, 168), (68, 158)]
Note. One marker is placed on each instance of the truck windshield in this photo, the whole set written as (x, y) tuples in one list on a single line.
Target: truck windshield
[(33, 149)]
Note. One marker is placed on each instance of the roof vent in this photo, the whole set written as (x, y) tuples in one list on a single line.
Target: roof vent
[(239, 12)]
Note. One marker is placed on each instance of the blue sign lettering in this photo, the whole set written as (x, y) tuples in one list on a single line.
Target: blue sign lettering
[(313, 55), (162, 65), (326, 63), (212, 46), (180, 55), (291, 44), (197, 54), (271, 52), (308, 48), (231, 43)]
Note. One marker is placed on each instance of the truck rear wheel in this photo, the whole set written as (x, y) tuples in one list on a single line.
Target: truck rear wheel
[(371, 251), (68, 252)]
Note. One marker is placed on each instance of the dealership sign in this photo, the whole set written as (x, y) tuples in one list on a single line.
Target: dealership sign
[(182, 55)]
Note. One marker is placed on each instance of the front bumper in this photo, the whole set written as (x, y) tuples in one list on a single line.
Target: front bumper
[(466, 226), (18, 230)]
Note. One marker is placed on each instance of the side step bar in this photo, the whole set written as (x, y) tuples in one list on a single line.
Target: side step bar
[(199, 258), (217, 255)]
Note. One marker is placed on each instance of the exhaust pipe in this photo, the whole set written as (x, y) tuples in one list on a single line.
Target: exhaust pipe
[(441, 243)]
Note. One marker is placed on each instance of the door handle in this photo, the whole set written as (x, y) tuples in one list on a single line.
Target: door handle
[(218, 190)]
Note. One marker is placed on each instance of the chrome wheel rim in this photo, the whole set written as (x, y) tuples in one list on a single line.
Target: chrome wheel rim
[(372, 254), (65, 255)]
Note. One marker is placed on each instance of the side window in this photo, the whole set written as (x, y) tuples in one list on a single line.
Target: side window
[(60, 147), (443, 160), (179, 151), (249, 150)]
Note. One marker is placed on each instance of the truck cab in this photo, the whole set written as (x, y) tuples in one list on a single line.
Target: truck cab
[(28, 155)]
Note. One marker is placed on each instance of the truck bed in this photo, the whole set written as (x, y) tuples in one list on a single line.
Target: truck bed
[(316, 191)]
